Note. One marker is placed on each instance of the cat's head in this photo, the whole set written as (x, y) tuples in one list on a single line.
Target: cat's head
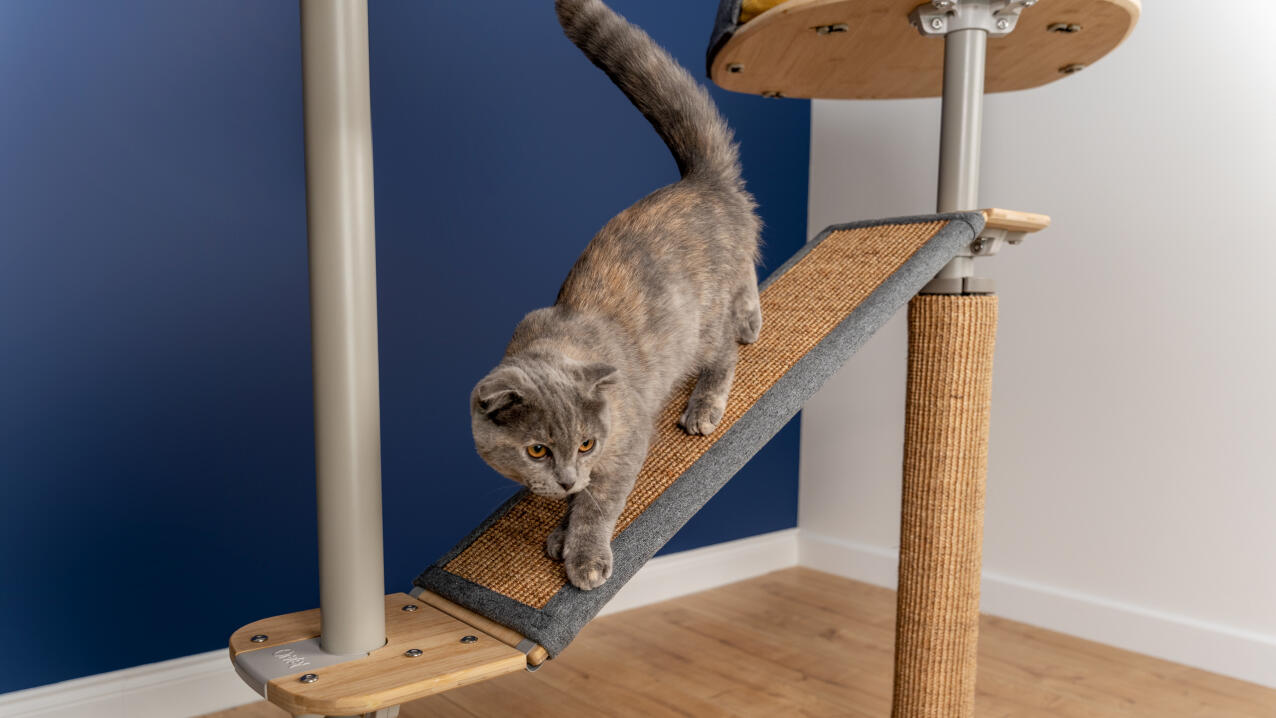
[(543, 422)]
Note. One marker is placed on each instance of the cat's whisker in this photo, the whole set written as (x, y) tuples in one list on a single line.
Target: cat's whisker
[(585, 491)]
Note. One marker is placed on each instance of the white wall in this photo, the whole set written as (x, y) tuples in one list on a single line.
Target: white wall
[(1132, 486)]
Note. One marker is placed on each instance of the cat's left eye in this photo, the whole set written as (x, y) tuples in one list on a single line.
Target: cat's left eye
[(587, 447)]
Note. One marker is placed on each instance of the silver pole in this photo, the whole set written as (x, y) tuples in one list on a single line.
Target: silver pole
[(961, 130), (343, 320), (962, 121)]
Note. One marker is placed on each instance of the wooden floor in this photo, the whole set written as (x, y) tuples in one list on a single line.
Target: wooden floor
[(803, 643)]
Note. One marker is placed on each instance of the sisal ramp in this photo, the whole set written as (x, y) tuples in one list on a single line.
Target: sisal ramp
[(818, 308)]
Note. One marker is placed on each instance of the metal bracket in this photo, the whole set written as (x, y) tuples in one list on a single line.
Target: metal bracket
[(990, 241), (940, 17), (258, 668), (527, 645), (960, 285)]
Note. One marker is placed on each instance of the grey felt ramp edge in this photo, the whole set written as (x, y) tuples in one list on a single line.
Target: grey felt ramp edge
[(570, 609)]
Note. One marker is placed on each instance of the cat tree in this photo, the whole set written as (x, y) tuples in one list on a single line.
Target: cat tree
[(494, 604)]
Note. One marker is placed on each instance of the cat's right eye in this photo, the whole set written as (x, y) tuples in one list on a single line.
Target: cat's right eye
[(538, 451)]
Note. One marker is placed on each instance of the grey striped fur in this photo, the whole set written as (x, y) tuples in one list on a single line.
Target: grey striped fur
[(662, 294)]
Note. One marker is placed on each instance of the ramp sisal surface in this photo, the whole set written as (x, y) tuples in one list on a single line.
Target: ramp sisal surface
[(817, 310), (799, 309)]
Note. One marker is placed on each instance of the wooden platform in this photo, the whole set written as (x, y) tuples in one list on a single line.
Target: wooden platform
[(452, 654), (1014, 221), (880, 55), (800, 642)]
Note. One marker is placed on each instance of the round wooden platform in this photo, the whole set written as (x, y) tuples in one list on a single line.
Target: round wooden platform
[(880, 55)]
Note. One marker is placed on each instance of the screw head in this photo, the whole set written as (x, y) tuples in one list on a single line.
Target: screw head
[(1003, 24), (412, 652), (260, 638), (469, 639), (1072, 69), (411, 608), (309, 678), (977, 246), (937, 23), (735, 68)]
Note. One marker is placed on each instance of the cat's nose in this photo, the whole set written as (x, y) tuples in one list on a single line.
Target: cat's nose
[(567, 481)]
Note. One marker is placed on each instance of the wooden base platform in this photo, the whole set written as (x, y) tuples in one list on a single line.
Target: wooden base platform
[(452, 654)]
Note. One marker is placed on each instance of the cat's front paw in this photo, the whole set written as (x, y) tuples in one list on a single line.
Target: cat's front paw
[(590, 568), (554, 544), (701, 416)]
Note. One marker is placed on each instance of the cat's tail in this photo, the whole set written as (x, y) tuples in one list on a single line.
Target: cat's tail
[(676, 105)]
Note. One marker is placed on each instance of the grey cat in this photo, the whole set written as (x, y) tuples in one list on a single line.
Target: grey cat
[(663, 293)]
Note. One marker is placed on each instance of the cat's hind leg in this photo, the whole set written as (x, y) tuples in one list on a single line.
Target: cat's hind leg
[(746, 311), (709, 399)]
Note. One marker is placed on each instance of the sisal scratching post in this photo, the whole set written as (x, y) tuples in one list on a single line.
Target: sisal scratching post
[(950, 351)]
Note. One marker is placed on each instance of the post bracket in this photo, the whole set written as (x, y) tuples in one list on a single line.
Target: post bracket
[(1001, 227), (940, 17), (960, 285), (259, 668), (426, 651), (992, 239)]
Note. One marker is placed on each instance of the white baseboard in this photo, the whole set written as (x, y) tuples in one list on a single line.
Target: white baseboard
[(678, 574), (204, 683), (1221, 649), (861, 562), (180, 688)]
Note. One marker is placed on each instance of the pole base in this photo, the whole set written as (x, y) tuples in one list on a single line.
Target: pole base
[(426, 652)]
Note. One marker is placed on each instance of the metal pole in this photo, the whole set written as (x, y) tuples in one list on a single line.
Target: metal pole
[(962, 120), (960, 132), (343, 319)]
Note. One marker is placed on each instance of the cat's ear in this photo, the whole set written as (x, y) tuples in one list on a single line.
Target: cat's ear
[(599, 375), (496, 401), (493, 395)]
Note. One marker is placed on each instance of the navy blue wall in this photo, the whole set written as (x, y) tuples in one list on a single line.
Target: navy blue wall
[(156, 456)]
